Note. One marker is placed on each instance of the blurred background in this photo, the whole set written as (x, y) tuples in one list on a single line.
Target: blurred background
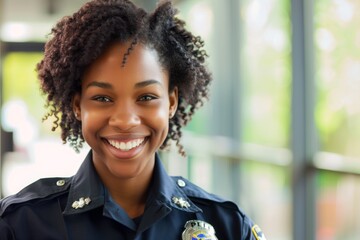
[(280, 135)]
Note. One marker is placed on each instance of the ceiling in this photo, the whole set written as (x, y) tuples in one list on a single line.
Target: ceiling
[(37, 10), (31, 20)]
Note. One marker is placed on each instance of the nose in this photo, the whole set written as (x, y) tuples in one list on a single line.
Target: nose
[(124, 117)]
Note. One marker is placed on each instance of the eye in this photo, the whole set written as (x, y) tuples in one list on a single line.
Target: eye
[(146, 98), (101, 99)]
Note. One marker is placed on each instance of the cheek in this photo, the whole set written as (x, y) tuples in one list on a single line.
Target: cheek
[(91, 121), (159, 119), (87, 127)]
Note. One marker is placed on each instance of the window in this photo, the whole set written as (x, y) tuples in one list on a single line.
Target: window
[(337, 64), (280, 135), (35, 145)]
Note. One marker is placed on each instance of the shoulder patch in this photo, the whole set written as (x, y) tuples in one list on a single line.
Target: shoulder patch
[(42, 188), (258, 234)]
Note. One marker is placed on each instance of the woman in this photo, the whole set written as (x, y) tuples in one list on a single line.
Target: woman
[(126, 82)]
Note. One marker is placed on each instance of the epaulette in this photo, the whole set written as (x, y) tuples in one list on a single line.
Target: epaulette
[(196, 193), (42, 188)]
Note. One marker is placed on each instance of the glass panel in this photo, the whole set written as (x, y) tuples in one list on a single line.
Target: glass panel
[(266, 195), (198, 15), (38, 151), (266, 69), (337, 44), (338, 207), (22, 102), (261, 190)]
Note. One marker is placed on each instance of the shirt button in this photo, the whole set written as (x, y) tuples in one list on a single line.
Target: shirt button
[(60, 183), (181, 183)]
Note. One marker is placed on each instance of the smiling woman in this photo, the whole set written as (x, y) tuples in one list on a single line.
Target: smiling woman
[(126, 82), (124, 112)]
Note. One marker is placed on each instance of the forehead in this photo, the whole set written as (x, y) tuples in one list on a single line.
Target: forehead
[(141, 63)]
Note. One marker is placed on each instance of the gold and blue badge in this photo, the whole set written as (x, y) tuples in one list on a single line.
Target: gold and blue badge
[(259, 235), (198, 230)]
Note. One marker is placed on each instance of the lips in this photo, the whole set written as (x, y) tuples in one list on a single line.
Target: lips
[(126, 145)]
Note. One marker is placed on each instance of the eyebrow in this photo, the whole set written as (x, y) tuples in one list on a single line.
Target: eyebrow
[(100, 85), (147, 83), (137, 85)]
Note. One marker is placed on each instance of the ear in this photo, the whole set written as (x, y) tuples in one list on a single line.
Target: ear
[(173, 100), (76, 106)]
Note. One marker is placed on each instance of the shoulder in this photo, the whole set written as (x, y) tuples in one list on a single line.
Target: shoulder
[(196, 192), (43, 189), (203, 198), (225, 215)]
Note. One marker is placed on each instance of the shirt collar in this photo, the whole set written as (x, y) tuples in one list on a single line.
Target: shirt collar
[(164, 189), (87, 191)]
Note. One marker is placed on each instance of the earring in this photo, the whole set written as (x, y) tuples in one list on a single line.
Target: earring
[(76, 115)]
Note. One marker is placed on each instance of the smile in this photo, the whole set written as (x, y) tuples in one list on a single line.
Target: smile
[(126, 146)]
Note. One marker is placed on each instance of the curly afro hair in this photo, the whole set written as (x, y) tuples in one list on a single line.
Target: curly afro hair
[(77, 40)]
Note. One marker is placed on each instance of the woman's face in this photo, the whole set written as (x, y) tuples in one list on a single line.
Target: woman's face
[(125, 111)]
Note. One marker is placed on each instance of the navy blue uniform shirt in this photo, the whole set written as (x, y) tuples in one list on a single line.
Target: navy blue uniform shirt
[(80, 207)]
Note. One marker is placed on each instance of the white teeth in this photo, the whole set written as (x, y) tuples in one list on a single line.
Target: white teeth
[(126, 146)]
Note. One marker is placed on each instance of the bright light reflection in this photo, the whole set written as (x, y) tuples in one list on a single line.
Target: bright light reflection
[(344, 10), (12, 114), (22, 31), (201, 16), (44, 158), (276, 38), (15, 31), (17, 119), (325, 40), (257, 13)]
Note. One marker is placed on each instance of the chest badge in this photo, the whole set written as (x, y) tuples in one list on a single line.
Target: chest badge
[(198, 230)]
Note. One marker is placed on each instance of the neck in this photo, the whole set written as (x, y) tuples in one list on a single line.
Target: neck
[(131, 196), (129, 192)]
